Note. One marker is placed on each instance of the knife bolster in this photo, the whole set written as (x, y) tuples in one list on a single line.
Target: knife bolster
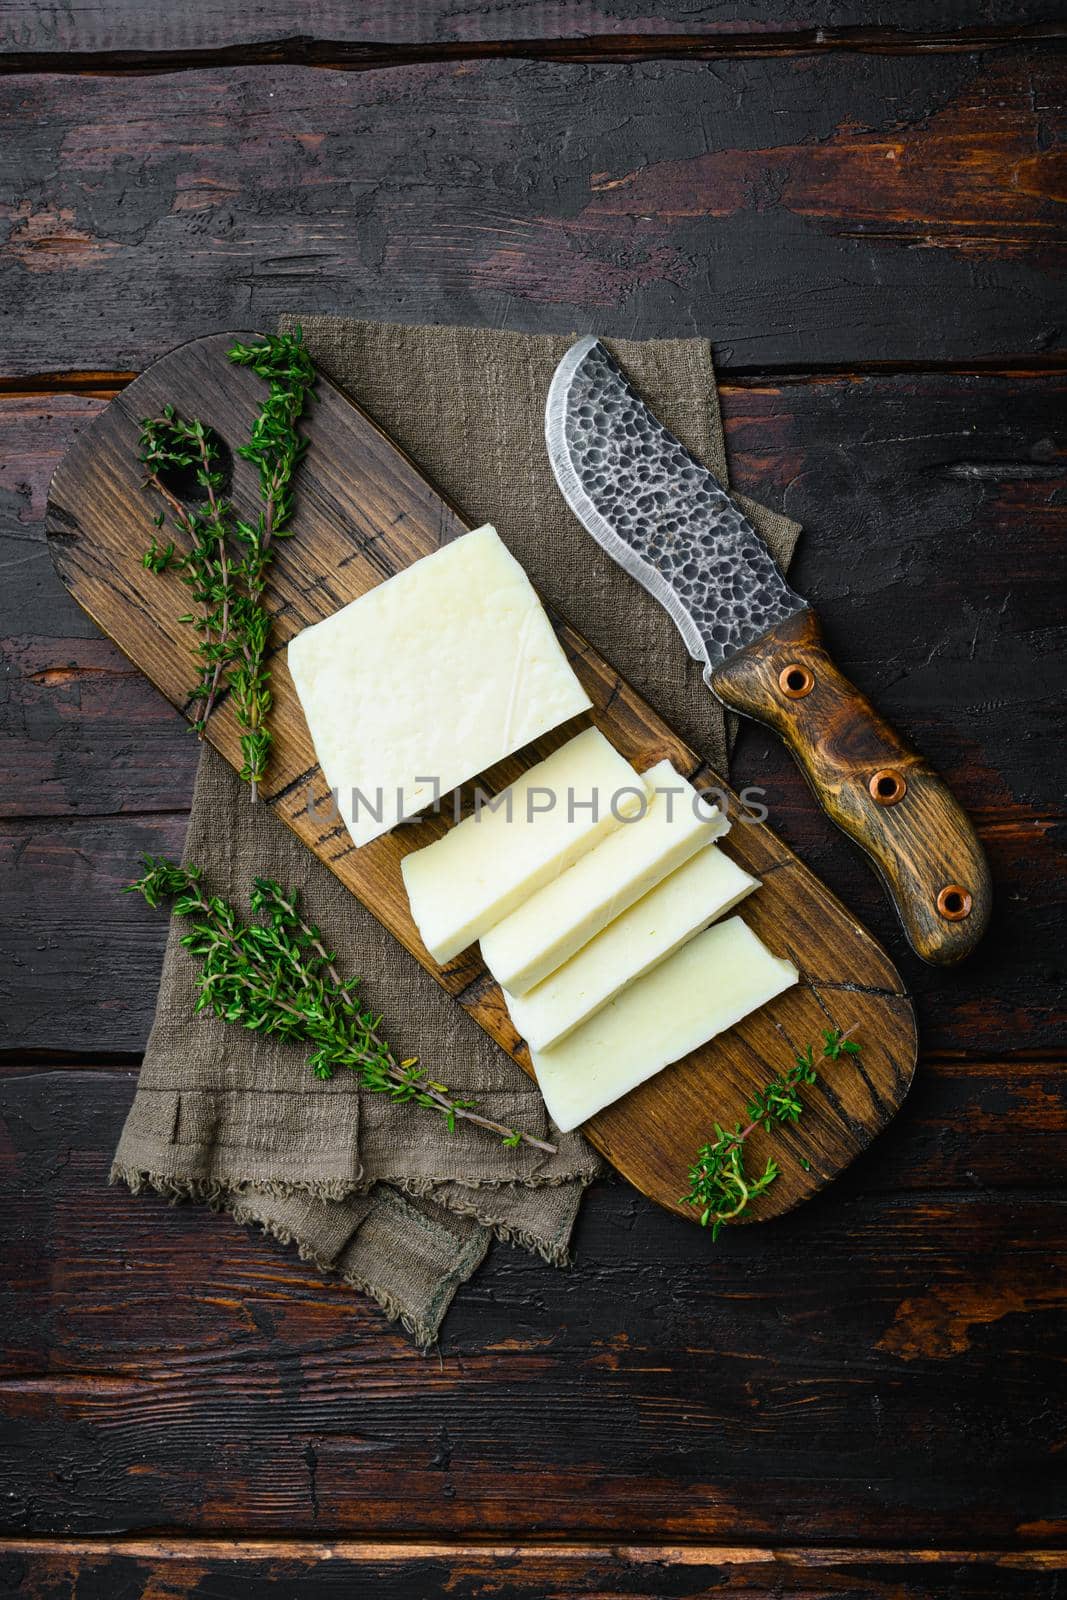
[(882, 793)]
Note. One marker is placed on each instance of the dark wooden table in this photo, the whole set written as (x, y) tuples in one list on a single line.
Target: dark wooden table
[(863, 205)]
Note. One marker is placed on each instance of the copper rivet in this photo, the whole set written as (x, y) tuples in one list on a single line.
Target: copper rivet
[(796, 681), (954, 903), (887, 786)]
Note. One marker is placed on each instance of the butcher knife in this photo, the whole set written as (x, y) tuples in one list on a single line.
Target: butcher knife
[(667, 520)]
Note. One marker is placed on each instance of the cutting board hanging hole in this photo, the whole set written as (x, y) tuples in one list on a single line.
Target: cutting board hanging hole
[(181, 481)]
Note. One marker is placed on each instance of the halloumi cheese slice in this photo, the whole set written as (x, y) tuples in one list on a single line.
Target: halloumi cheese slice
[(700, 991), (550, 927), (485, 866), (428, 679), (706, 887)]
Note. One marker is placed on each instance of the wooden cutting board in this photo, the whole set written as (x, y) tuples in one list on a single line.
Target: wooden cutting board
[(363, 513)]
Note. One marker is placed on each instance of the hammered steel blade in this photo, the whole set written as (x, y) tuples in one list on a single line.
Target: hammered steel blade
[(657, 511)]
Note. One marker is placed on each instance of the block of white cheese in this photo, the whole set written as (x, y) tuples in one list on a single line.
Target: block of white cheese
[(706, 887), (699, 991), (506, 850), (429, 679), (546, 930)]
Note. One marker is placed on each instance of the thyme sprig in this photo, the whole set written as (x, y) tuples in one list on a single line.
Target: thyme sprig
[(718, 1182), (277, 976), (169, 443), (225, 559), (275, 449)]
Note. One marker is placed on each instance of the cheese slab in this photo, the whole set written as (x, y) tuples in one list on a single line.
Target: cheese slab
[(550, 927), (485, 866), (428, 679), (706, 887), (700, 991)]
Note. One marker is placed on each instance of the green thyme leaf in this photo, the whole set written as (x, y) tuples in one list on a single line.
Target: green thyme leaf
[(718, 1182), (277, 976), (225, 560)]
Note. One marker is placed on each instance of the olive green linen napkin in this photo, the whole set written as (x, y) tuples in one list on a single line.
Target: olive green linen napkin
[(384, 1195)]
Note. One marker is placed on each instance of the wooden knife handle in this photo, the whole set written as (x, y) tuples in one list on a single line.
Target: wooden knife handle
[(870, 783)]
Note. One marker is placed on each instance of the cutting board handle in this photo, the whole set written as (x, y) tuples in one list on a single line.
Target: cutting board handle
[(868, 781)]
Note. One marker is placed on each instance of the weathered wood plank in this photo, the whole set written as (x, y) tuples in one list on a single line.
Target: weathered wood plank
[(81, 735), (814, 209), (296, 1570), (967, 1125), (82, 947), (123, 27), (874, 1362)]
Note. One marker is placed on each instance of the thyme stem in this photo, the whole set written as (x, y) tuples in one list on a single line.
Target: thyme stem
[(225, 561), (219, 520), (276, 976), (275, 448), (168, 442), (718, 1183)]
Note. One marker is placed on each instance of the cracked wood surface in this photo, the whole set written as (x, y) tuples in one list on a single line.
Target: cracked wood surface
[(823, 1374), (817, 208), (880, 1370), (119, 28)]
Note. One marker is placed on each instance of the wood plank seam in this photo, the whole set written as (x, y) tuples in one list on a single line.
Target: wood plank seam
[(256, 1547), (343, 56), (105, 385)]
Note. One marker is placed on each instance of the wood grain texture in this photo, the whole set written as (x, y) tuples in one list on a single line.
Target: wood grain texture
[(301, 1570), (881, 1368), (876, 788), (364, 514), (808, 210), (886, 1357)]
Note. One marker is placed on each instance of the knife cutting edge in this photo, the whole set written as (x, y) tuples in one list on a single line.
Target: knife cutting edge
[(667, 521)]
